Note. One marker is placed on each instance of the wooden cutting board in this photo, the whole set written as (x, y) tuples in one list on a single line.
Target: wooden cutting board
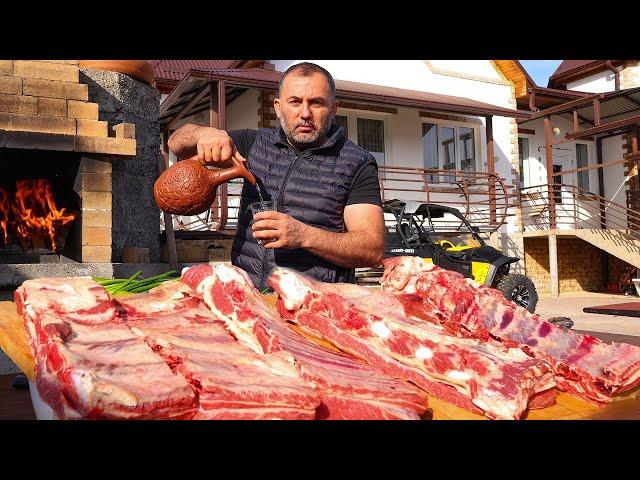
[(13, 341)]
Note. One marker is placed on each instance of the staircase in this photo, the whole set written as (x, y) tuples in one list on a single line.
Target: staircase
[(615, 242)]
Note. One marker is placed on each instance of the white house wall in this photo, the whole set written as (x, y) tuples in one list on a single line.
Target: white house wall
[(417, 75), (598, 83), (243, 111)]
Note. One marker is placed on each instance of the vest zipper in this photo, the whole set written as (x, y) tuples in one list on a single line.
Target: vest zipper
[(263, 275)]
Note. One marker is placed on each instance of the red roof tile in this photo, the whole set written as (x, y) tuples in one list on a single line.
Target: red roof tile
[(569, 65), (176, 69)]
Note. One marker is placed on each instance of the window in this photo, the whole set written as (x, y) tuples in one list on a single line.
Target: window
[(371, 137), (582, 160), (523, 150), (449, 147), (430, 146), (367, 132), (467, 148), (447, 141), (342, 121)]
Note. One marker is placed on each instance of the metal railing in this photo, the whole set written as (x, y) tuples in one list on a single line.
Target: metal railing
[(576, 208), (484, 198)]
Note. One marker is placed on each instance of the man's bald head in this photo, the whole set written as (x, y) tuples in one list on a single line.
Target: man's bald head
[(306, 69)]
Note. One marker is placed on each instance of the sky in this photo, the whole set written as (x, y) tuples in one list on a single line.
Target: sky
[(540, 70)]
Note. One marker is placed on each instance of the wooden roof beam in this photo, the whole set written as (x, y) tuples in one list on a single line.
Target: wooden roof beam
[(604, 128), (562, 108), (187, 108)]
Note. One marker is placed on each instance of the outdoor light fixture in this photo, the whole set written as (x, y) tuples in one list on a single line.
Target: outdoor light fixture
[(556, 131)]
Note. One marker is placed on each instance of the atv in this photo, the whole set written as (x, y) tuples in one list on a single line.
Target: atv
[(443, 236)]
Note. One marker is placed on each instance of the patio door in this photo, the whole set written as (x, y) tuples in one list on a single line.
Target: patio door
[(563, 160), (587, 208)]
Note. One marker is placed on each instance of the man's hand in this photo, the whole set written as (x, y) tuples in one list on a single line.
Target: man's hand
[(216, 147), (279, 230), (212, 146), (362, 245)]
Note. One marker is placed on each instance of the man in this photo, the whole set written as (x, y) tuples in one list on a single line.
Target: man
[(328, 216)]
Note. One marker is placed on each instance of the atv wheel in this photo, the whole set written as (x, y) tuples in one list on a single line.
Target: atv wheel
[(519, 289)]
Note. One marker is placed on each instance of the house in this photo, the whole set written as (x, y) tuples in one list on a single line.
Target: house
[(579, 175), (465, 133)]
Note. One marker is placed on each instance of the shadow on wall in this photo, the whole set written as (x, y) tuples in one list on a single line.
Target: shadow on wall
[(629, 242), (513, 246)]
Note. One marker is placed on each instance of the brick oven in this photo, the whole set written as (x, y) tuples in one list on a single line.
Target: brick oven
[(78, 158)]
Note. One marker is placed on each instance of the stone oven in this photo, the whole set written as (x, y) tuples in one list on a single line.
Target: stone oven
[(78, 158)]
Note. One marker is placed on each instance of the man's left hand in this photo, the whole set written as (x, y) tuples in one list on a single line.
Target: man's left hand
[(279, 230)]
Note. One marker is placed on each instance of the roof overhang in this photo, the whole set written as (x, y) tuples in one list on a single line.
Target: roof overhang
[(618, 110), (517, 74), (582, 71), (236, 81)]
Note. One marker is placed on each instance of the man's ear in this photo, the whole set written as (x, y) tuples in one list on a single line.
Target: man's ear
[(276, 106), (334, 109)]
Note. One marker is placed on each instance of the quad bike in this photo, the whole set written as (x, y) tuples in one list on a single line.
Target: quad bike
[(443, 236)]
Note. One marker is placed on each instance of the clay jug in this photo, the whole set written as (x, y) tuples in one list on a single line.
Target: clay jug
[(189, 188)]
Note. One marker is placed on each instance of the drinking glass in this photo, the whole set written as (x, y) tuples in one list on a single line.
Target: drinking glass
[(264, 206)]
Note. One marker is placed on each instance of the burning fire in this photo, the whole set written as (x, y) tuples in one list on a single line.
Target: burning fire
[(5, 209), (32, 214)]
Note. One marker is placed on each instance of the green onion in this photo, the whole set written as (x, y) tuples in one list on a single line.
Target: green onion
[(126, 283), (116, 286)]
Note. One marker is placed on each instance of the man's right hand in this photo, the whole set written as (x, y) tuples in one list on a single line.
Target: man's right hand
[(212, 146), (216, 147)]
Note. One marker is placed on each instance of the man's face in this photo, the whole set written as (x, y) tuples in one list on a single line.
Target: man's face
[(305, 109)]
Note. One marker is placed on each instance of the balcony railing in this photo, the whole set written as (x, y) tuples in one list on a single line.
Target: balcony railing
[(484, 198), (575, 208)]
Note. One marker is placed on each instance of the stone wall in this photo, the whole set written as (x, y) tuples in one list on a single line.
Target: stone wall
[(630, 75), (135, 215), (267, 117), (44, 105), (579, 265)]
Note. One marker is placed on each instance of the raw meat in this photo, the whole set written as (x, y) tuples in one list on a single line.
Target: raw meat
[(232, 381), (349, 389), (472, 374), (88, 364), (584, 365)]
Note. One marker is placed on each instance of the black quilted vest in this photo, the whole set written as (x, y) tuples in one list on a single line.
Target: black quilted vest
[(311, 186)]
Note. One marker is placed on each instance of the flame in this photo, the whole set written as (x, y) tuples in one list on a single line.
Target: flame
[(5, 210), (36, 214)]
